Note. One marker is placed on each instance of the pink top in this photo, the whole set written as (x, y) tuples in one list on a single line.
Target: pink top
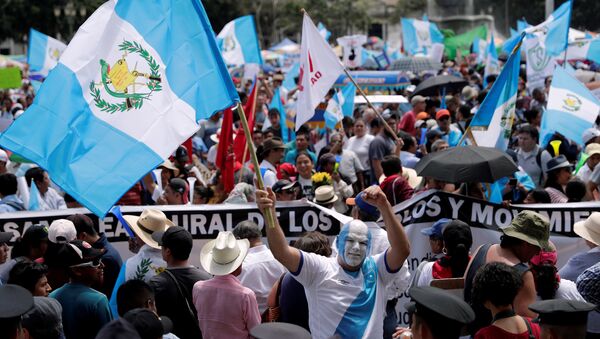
[(226, 309)]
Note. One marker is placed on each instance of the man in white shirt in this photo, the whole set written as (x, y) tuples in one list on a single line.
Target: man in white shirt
[(593, 152), (260, 269), (49, 199), (273, 150), (530, 156), (346, 295)]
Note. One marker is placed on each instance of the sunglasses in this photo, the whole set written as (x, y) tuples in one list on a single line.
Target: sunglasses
[(94, 264)]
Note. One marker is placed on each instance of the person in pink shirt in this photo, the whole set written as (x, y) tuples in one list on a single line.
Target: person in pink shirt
[(226, 309)]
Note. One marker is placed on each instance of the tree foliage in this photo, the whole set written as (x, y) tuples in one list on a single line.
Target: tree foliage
[(18, 16)]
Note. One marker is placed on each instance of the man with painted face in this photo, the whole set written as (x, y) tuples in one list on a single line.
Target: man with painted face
[(346, 295)]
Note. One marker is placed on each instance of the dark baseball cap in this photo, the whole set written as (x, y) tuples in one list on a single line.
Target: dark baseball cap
[(181, 154), (79, 252), (173, 237), (36, 233), (178, 185), (148, 324)]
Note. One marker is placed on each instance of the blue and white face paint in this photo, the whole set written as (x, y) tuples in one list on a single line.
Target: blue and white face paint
[(354, 243)]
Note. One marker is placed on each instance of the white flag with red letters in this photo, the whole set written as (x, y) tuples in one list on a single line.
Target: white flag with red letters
[(319, 69)]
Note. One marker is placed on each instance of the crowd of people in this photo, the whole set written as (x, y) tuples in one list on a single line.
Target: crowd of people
[(67, 280)]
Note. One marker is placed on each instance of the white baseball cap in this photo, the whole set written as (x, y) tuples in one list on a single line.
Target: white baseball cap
[(589, 134), (62, 231), (3, 156)]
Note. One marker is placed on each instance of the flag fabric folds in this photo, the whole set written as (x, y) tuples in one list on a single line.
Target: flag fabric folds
[(348, 93), (224, 159), (241, 145), (553, 33), (319, 69), (584, 49), (239, 42), (419, 36), (491, 125), (130, 87), (571, 108), (278, 104), (43, 52), (323, 31)]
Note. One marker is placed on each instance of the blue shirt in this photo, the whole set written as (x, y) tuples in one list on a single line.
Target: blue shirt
[(11, 203), (112, 264), (579, 263), (85, 310)]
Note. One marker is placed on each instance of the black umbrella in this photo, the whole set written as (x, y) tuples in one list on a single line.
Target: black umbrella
[(435, 85), (467, 164)]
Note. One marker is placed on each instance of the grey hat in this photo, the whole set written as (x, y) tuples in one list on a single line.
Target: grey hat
[(558, 162), (44, 320), (279, 330), (16, 301)]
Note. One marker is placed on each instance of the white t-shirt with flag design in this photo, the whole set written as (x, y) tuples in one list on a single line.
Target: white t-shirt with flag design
[(330, 290)]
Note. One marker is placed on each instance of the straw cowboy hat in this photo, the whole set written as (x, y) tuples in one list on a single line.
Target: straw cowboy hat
[(224, 254), (589, 229), (325, 195), (151, 220)]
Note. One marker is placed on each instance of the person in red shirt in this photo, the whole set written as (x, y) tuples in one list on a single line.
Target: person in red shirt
[(395, 186), (495, 286), (407, 123)]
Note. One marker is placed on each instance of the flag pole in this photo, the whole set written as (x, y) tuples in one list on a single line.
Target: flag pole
[(241, 176), (270, 221), (385, 124)]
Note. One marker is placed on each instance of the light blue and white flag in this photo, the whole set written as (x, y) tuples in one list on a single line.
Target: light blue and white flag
[(333, 113), (130, 87), (491, 126), (289, 81), (571, 108), (323, 31), (553, 33), (43, 52), (511, 42), (347, 94), (480, 49), (492, 66), (522, 25), (419, 36), (276, 103), (239, 43), (34, 198), (584, 49)]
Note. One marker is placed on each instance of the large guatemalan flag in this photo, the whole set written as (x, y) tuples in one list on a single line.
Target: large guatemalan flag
[(43, 52), (129, 88)]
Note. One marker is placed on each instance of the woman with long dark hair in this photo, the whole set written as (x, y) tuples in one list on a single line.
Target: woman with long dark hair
[(558, 174), (548, 283), (457, 244)]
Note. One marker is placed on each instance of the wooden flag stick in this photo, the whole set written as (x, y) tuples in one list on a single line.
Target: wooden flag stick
[(259, 179), (385, 124)]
